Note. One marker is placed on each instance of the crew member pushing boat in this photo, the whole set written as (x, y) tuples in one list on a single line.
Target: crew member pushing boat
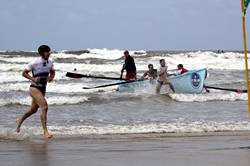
[(181, 70), (151, 73), (162, 73)]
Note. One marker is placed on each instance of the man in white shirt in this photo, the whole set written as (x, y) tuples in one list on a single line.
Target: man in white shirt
[(42, 72), (162, 73)]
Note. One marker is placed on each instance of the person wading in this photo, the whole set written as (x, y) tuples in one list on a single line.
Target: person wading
[(151, 73), (129, 66), (162, 73)]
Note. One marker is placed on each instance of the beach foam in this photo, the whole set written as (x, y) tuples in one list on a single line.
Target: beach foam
[(53, 100), (212, 96), (100, 54), (175, 127), (198, 59)]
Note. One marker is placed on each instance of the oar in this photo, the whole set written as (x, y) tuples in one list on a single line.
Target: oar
[(77, 75), (226, 89), (107, 85)]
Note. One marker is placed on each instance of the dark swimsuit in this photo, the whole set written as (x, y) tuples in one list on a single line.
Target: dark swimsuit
[(42, 89), (40, 68)]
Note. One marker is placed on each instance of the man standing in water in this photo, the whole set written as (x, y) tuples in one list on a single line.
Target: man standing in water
[(162, 73), (129, 66), (42, 72), (151, 73)]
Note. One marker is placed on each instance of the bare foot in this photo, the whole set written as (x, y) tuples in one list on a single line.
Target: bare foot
[(18, 127), (47, 135)]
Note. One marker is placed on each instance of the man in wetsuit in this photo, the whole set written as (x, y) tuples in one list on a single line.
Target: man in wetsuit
[(129, 66), (42, 72), (162, 73)]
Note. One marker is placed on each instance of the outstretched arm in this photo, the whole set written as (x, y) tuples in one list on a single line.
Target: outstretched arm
[(168, 74), (123, 68), (144, 75)]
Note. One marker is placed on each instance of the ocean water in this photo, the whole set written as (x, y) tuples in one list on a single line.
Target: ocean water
[(74, 111)]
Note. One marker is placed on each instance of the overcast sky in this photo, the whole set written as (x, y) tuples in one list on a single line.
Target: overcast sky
[(121, 24)]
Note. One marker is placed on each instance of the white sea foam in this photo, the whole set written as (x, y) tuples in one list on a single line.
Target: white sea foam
[(175, 127), (199, 59), (71, 88), (16, 76), (99, 54), (86, 68), (210, 60), (53, 100), (55, 87), (11, 134), (18, 59), (212, 96), (11, 67)]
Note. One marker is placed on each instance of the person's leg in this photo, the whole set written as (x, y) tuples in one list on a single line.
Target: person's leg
[(32, 110), (158, 88), (170, 85), (42, 103)]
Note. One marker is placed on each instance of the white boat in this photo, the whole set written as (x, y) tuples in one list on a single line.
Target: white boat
[(191, 82)]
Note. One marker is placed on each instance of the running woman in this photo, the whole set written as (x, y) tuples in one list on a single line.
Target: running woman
[(42, 72)]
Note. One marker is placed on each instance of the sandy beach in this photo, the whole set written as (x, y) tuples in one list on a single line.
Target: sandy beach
[(223, 149)]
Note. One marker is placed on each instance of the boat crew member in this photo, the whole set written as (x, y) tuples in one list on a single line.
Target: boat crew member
[(129, 66), (42, 72), (162, 73), (151, 73), (181, 69)]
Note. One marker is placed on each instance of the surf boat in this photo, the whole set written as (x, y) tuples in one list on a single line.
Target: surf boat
[(191, 82)]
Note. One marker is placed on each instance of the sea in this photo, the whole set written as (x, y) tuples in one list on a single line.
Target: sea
[(74, 111)]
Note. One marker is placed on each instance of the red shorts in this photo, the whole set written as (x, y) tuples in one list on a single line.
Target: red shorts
[(130, 76)]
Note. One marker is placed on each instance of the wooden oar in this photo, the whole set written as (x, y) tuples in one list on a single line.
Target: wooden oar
[(77, 75), (226, 89), (107, 85)]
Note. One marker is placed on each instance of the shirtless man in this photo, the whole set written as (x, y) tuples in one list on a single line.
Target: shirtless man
[(42, 72), (151, 73), (162, 73)]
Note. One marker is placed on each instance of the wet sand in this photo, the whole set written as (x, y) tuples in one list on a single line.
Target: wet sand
[(228, 149)]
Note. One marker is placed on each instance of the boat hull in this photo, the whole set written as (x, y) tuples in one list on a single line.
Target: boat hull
[(191, 82)]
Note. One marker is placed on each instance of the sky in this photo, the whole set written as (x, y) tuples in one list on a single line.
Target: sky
[(122, 24)]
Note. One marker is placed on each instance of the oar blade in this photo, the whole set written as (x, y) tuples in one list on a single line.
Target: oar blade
[(74, 75), (86, 88), (77, 75)]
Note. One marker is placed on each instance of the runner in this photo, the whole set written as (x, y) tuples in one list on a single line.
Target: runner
[(42, 72)]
